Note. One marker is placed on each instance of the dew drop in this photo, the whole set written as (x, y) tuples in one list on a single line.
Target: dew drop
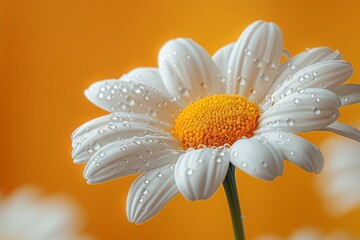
[(101, 154), (101, 131), (289, 122), (291, 66), (200, 160), (292, 153), (146, 181), (145, 192), (248, 52), (228, 69), (97, 164), (126, 124), (296, 100), (235, 153), (137, 89), (244, 164), (263, 163), (101, 95), (129, 100), (189, 171), (242, 80), (112, 126), (264, 77), (140, 200), (159, 174), (123, 89), (184, 92), (114, 117), (146, 97), (188, 56), (257, 62), (316, 111), (96, 146)]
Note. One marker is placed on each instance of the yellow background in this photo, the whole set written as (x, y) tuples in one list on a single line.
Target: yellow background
[(52, 50)]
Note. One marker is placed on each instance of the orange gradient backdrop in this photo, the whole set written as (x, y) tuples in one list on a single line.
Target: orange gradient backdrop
[(52, 50)]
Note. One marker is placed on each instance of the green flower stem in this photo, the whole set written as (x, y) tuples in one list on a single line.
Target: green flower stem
[(233, 201)]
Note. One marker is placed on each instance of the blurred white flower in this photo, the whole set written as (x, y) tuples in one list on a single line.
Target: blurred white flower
[(24, 215), (310, 233), (340, 181)]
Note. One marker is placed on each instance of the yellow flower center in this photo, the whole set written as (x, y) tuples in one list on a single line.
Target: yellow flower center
[(216, 120)]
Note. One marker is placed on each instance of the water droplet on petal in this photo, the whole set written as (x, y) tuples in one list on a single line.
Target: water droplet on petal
[(289, 122), (101, 131), (316, 111), (248, 52), (159, 174), (257, 62), (126, 124), (264, 76), (291, 66), (184, 92), (189, 171), (112, 126)]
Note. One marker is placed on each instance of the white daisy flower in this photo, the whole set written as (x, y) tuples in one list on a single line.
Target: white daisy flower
[(26, 216), (311, 233), (182, 125), (340, 181)]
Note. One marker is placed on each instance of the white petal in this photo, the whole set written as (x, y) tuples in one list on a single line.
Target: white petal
[(254, 60), (125, 95), (118, 117), (302, 60), (130, 156), (188, 70), (199, 173), (89, 143), (348, 93), (150, 193), (307, 110), (328, 75), (344, 130), (297, 150), (257, 157), (221, 59), (147, 76)]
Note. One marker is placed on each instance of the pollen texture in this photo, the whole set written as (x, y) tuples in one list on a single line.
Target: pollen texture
[(216, 120)]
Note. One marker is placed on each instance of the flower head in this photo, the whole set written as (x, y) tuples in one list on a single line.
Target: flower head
[(181, 125)]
